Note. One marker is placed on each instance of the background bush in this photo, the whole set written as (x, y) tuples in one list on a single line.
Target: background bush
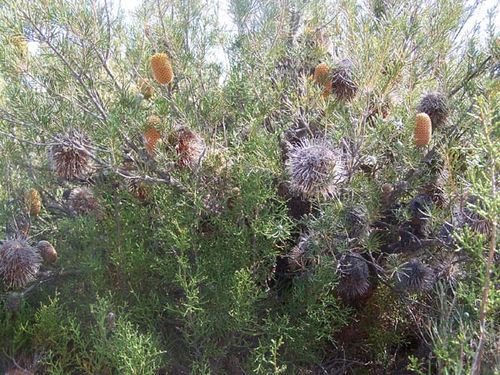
[(220, 267)]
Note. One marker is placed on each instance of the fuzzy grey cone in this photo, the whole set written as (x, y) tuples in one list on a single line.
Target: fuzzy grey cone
[(343, 84), (82, 201), (354, 276), (414, 277), (315, 168), (19, 263), (70, 156), (436, 106)]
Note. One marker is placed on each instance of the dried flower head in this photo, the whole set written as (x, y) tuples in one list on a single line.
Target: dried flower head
[(436, 106), (162, 68), (342, 78), (190, 147), (321, 73), (47, 251), (33, 202), (146, 88), (19, 262), (82, 201), (423, 130), (354, 275), (414, 276), (315, 168), (70, 156)]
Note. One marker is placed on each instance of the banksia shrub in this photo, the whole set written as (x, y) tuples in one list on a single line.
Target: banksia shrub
[(190, 147), (315, 168), (354, 276), (33, 202), (321, 73), (436, 106), (413, 277), (162, 68), (82, 201), (19, 263), (146, 88), (423, 129), (342, 79), (70, 157), (47, 251)]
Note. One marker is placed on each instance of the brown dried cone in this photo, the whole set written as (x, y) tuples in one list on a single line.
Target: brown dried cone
[(146, 88), (344, 86), (436, 106), (19, 263), (47, 251), (70, 156), (189, 146), (423, 130), (82, 201), (354, 276), (33, 202), (161, 68), (321, 73)]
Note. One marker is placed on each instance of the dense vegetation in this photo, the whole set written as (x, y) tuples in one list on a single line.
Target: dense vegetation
[(323, 202)]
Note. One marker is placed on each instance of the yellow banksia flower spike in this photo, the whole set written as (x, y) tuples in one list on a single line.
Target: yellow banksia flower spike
[(33, 202), (321, 73), (151, 137), (423, 129), (162, 68)]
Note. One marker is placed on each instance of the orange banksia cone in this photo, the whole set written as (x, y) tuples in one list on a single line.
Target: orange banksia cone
[(33, 202), (321, 73), (162, 68), (423, 129), (151, 138)]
